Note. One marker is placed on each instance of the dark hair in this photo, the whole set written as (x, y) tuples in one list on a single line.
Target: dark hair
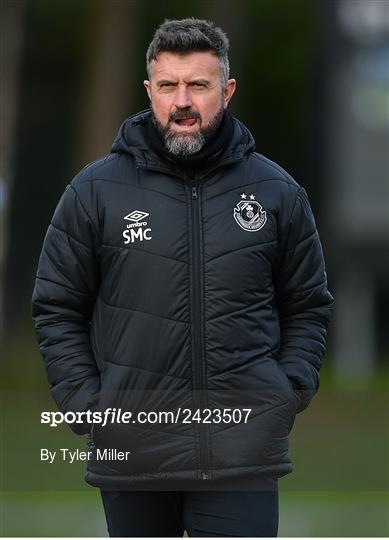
[(188, 35)]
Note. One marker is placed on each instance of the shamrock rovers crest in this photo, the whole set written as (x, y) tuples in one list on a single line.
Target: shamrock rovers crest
[(249, 213)]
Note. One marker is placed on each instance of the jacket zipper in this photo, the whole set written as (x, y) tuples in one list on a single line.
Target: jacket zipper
[(200, 380)]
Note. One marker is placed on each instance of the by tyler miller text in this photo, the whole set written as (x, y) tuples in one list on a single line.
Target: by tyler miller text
[(72, 456)]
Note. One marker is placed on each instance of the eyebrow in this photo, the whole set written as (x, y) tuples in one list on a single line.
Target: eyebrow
[(164, 81), (194, 81), (202, 81)]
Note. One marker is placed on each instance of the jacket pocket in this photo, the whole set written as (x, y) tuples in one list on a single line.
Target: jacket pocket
[(91, 431), (97, 408), (293, 399)]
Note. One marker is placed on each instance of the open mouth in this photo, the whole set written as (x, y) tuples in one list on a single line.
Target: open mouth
[(185, 121)]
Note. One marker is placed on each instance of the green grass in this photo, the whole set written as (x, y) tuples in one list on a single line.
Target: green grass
[(334, 513), (54, 513), (316, 513)]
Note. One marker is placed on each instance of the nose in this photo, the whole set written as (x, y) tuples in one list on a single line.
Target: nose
[(182, 97)]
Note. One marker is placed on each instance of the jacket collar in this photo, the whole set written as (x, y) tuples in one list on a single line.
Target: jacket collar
[(132, 139)]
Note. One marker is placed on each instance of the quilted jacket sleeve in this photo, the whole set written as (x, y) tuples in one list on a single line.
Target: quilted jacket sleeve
[(303, 301), (66, 284)]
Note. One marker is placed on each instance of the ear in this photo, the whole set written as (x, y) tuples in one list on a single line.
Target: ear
[(147, 85), (228, 91)]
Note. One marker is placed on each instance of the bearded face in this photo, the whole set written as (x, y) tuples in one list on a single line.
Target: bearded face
[(187, 143), (188, 96)]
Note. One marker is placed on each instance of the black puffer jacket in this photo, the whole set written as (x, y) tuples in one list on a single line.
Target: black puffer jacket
[(158, 291)]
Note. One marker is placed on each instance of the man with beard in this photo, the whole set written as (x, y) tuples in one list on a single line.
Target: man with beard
[(182, 282)]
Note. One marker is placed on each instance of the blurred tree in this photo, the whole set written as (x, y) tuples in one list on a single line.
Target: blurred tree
[(11, 32), (109, 69), (51, 71), (356, 176)]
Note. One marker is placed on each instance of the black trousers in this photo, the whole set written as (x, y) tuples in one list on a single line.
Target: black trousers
[(200, 513)]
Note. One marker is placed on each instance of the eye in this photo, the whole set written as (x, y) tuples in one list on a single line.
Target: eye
[(199, 85)]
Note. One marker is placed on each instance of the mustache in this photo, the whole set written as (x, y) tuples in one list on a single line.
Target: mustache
[(183, 115)]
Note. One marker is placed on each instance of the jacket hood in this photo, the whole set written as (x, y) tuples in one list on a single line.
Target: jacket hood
[(132, 139)]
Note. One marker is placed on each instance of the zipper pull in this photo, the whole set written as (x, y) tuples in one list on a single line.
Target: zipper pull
[(194, 192)]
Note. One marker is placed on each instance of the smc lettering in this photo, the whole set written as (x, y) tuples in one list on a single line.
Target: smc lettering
[(130, 235)]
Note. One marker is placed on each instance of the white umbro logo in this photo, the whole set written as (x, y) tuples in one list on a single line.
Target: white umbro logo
[(138, 231), (136, 215)]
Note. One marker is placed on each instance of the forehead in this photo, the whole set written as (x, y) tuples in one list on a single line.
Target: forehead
[(197, 64)]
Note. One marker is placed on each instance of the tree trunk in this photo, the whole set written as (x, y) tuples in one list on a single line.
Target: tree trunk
[(11, 32)]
